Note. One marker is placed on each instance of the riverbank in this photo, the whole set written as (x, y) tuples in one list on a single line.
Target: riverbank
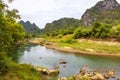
[(85, 74), (71, 50), (81, 46)]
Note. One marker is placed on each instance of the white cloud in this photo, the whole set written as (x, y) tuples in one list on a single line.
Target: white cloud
[(45, 11)]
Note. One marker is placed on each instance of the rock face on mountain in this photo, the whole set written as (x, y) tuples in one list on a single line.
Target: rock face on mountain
[(106, 11), (30, 28)]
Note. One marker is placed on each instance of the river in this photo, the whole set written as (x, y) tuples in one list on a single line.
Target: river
[(41, 56)]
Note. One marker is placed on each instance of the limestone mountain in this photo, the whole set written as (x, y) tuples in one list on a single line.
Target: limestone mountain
[(63, 23), (106, 11), (29, 27)]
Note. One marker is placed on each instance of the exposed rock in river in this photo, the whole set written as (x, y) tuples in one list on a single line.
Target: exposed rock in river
[(47, 71)]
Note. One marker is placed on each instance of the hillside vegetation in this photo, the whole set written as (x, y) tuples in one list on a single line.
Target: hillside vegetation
[(30, 28), (61, 24), (99, 22), (11, 35), (105, 11)]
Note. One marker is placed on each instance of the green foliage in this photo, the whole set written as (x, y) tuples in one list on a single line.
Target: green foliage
[(100, 13), (21, 72), (18, 32), (101, 30), (82, 32), (30, 28), (94, 46), (115, 32), (118, 31), (60, 32), (10, 33), (5, 62), (61, 24), (69, 41)]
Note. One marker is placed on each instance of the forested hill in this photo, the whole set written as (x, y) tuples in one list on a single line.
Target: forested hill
[(106, 11), (63, 23), (100, 21), (30, 28)]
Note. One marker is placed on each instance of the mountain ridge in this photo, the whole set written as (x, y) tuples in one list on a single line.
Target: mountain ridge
[(62, 23), (30, 27), (105, 11)]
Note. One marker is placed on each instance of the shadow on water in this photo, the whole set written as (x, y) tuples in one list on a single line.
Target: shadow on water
[(17, 53)]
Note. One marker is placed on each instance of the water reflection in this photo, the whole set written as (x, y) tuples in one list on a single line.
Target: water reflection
[(40, 56)]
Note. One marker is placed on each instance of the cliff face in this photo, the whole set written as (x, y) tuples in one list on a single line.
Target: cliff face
[(106, 11)]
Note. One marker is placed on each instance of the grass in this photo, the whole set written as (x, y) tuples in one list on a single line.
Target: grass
[(98, 48), (21, 72), (85, 45), (10, 70)]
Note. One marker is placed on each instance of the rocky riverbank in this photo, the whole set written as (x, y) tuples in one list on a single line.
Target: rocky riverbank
[(85, 74)]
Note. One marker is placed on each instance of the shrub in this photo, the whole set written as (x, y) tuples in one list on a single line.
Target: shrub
[(82, 32), (5, 62), (101, 30)]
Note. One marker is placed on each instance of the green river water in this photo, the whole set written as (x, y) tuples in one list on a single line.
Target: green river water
[(41, 56)]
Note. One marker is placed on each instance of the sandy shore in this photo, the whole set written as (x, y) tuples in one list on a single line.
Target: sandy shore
[(51, 45), (71, 50)]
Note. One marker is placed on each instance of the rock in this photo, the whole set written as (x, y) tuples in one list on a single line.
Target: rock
[(88, 74), (95, 72), (99, 12), (51, 72), (111, 74), (62, 62), (64, 66), (106, 76), (56, 67), (118, 78), (100, 76), (63, 78), (82, 72), (44, 72), (90, 50), (40, 57), (47, 71), (97, 76)]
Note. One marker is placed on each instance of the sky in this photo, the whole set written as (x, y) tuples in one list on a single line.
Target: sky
[(41, 12)]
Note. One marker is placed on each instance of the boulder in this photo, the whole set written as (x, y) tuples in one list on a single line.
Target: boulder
[(62, 62), (47, 71), (97, 76), (111, 74)]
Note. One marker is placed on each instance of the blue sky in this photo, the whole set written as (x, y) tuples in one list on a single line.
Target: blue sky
[(46, 11)]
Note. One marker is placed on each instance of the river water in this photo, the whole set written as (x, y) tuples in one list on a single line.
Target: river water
[(41, 56)]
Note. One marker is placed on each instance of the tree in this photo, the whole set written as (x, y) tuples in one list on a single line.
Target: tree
[(101, 30), (82, 32), (10, 30)]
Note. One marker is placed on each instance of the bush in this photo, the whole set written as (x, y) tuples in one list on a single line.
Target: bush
[(59, 36), (118, 32), (82, 32), (101, 30), (5, 62)]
